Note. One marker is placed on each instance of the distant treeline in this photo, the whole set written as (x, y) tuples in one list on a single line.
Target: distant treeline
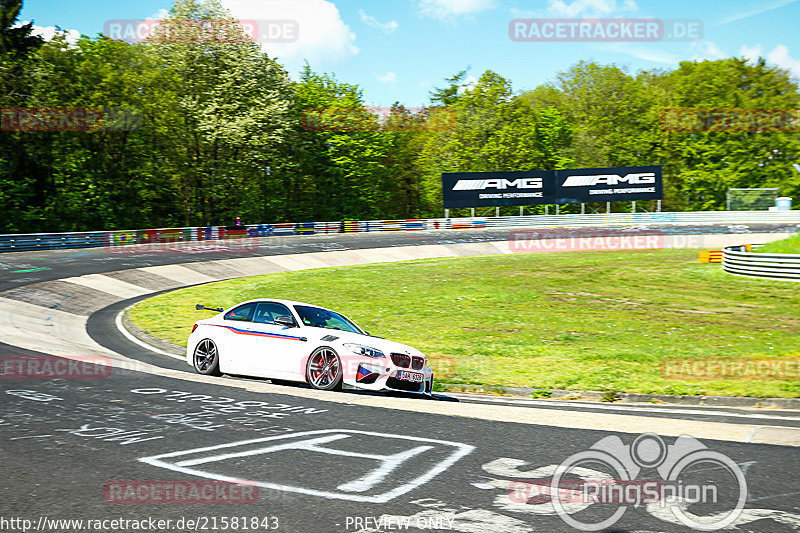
[(104, 134)]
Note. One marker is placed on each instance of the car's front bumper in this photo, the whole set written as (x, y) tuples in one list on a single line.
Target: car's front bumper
[(377, 377)]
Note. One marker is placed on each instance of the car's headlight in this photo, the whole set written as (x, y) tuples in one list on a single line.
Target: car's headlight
[(364, 350)]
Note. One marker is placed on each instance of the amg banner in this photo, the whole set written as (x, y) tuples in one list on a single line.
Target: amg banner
[(486, 189)]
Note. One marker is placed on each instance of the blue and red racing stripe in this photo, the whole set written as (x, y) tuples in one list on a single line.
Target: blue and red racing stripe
[(258, 333)]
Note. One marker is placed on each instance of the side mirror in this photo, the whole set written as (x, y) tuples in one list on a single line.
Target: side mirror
[(285, 321)]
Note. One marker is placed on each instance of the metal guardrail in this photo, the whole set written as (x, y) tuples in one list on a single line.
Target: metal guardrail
[(736, 260), (49, 241)]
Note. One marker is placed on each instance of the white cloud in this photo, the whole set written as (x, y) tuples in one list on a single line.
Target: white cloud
[(775, 4), (369, 20), (589, 8), (447, 9), (580, 9), (389, 77), (751, 53), (707, 50), (49, 32), (469, 83), (160, 14), (778, 56), (323, 37), (641, 52)]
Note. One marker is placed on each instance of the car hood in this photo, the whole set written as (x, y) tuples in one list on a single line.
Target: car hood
[(384, 345)]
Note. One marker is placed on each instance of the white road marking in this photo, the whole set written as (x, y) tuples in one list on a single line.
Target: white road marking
[(127, 334), (387, 463), (635, 408)]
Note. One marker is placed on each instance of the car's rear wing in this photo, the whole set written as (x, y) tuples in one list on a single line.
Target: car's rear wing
[(200, 307)]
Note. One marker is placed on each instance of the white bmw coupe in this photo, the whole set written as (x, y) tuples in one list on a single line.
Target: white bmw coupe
[(294, 341)]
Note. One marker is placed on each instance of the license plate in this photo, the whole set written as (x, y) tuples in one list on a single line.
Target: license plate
[(410, 376)]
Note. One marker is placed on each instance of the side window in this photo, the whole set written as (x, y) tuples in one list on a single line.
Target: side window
[(267, 311), (243, 313)]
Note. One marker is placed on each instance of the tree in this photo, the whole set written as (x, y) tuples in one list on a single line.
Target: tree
[(704, 164), (494, 131), (448, 96), (232, 110), (16, 39)]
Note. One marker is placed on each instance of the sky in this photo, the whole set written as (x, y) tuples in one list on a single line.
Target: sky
[(400, 50)]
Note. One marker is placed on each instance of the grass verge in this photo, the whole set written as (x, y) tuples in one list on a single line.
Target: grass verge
[(604, 321), (790, 245)]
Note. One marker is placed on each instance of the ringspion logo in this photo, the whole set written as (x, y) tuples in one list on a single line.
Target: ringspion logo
[(688, 473)]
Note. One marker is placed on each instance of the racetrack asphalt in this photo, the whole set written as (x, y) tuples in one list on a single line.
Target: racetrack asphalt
[(64, 440)]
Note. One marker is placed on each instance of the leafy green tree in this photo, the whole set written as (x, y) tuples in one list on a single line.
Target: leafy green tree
[(448, 96), (494, 131), (16, 39), (232, 113), (706, 163)]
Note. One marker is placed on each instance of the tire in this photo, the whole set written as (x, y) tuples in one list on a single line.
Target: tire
[(324, 369), (206, 358)]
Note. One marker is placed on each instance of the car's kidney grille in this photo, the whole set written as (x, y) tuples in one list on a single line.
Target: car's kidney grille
[(402, 360), (417, 363)]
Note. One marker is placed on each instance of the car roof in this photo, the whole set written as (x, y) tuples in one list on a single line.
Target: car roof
[(277, 300)]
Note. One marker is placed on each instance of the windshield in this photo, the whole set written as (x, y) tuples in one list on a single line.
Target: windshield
[(322, 318)]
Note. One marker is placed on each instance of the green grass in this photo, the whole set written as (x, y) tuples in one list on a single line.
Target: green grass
[(790, 245), (589, 321)]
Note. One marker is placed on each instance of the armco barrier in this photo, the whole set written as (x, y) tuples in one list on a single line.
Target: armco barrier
[(736, 260), (45, 241)]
